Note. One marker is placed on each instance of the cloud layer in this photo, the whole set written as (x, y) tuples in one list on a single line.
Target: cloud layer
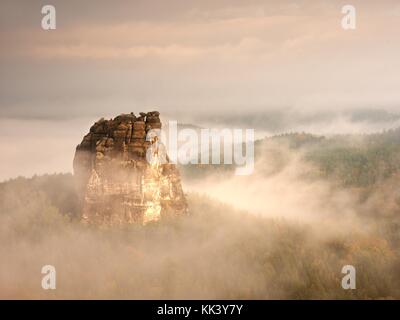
[(197, 55)]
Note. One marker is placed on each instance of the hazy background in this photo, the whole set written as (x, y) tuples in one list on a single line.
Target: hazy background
[(275, 66)]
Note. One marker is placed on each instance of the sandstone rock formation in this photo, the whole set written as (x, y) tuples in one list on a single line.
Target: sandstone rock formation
[(118, 183)]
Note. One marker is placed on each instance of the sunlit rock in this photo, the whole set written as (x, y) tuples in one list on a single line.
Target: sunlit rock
[(117, 183)]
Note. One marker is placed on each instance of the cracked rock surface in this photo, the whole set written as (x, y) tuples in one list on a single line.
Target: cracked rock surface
[(117, 183)]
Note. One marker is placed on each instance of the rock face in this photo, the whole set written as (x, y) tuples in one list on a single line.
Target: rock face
[(118, 183)]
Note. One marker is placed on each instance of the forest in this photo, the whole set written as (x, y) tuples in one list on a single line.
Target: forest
[(343, 193)]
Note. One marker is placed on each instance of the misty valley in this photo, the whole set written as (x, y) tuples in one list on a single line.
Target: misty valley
[(313, 205), (200, 150)]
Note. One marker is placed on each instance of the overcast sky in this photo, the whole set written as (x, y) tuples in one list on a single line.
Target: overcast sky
[(196, 56), (187, 59)]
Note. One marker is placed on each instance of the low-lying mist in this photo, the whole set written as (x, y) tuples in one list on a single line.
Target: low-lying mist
[(47, 145), (282, 233)]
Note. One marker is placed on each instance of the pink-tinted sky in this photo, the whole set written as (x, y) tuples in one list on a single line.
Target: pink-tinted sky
[(189, 59), (107, 57)]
